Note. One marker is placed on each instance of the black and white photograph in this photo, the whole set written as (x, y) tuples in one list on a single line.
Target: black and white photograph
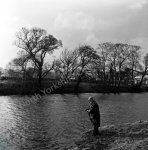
[(73, 74)]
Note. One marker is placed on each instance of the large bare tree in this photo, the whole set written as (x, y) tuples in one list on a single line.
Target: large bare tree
[(115, 58), (145, 69), (134, 57), (86, 57), (103, 50), (69, 62), (37, 43)]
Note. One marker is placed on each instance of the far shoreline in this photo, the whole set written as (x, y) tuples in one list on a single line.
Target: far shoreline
[(17, 89)]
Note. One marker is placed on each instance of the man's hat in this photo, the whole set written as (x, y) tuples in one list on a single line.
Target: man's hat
[(90, 99)]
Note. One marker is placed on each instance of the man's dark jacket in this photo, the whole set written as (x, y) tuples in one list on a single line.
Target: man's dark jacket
[(94, 114)]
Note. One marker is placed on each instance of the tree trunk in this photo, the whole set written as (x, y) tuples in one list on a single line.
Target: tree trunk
[(78, 81), (115, 81), (119, 79), (104, 75), (109, 81), (132, 75), (40, 78), (141, 81), (77, 84)]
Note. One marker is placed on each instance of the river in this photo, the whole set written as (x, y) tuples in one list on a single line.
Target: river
[(55, 121)]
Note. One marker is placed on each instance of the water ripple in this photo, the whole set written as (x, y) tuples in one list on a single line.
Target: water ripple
[(56, 121)]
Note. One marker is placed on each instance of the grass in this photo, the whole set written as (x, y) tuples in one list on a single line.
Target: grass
[(116, 137)]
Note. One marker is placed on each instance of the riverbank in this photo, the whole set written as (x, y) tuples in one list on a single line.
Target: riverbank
[(127, 136), (16, 88)]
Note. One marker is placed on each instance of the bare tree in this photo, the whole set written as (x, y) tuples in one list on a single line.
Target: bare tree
[(37, 43), (115, 58), (20, 70), (18, 66), (122, 57), (134, 57), (104, 49), (24, 70), (145, 69), (69, 62), (87, 56), (1, 71)]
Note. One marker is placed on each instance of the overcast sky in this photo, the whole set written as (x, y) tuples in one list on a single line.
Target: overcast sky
[(74, 22)]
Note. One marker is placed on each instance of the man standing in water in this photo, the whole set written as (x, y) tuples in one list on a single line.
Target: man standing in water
[(94, 114)]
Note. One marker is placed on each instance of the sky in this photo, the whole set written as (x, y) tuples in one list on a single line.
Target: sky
[(74, 22)]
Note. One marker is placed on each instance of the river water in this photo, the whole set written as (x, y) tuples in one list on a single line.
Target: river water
[(55, 121)]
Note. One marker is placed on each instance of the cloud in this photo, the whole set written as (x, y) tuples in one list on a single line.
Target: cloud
[(91, 39), (138, 4), (119, 24), (74, 21)]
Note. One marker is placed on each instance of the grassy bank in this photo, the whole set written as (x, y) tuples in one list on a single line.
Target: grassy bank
[(15, 88), (116, 137)]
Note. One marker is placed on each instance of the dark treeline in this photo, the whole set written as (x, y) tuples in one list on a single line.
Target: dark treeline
[(111, 66)]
